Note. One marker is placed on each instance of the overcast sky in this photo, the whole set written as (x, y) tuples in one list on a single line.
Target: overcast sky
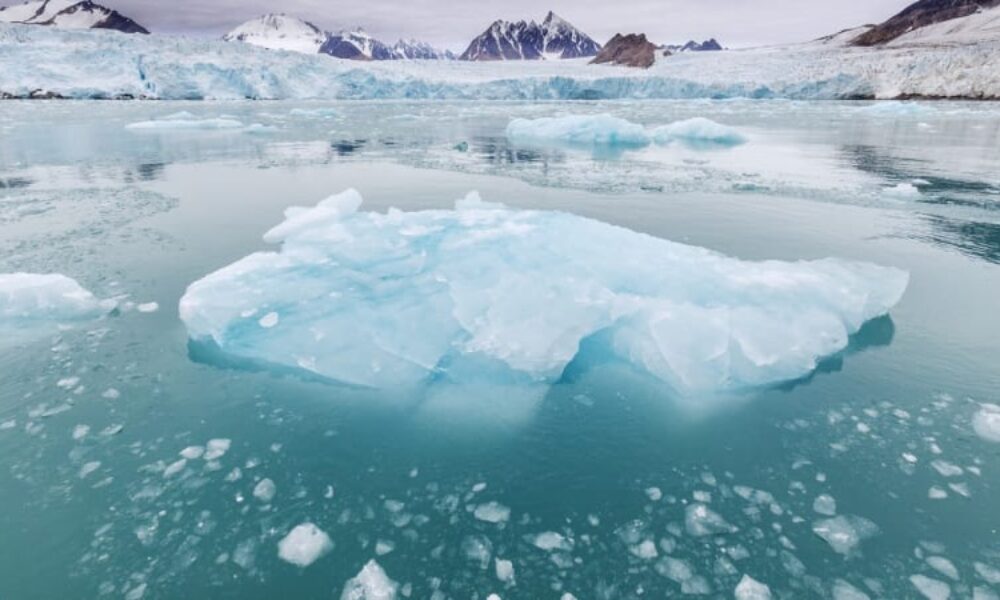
[(453, 23)]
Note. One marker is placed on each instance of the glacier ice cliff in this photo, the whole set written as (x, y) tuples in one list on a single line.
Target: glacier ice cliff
[(491, 293), (41, 61)]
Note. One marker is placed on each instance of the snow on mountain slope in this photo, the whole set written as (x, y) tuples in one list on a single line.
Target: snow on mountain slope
[(920, 14), (527, 40), (69, 14), (279, 32), (415, 50), (357, 45), (980, 26), (39, 61)]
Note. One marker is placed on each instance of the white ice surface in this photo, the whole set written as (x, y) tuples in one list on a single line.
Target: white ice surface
[(304, 545), (94, 63), (28, 299), (490, 293), (371, 583)]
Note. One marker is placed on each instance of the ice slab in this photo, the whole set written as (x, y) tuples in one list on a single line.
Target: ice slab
[(750, 589), (986, 422), (32, 304), (698, 131), (487, 293), (578, 130), (304, 545), (184, 122), (371, 583)]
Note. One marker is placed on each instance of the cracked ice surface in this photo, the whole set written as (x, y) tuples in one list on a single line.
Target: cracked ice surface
[(487, 292)]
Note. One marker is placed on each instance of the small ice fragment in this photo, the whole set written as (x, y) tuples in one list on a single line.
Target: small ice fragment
[(175, 467), (943, 566), (264, 490), (654, 494), (111, 430), (932, 589), (984, 593), (269, 320), (645, 550), (699, 520), (493, 597), (111, 394), (567, 596), (505, 571), (550, 541), (216, 448), (148, 307), (936, 493), (306, 543), (371, 583), (578, 130), (193, 452), (962, 489), (843, 590), (698, 131), (988, 573), (946, 469), (751, 589), (80, 432), (902, 190), (844, 533), (89, 468), (825, 504), (136, 593), (67, 383), (478, 549), (383, 547), (492, 512), (986, 422), (478, 487)]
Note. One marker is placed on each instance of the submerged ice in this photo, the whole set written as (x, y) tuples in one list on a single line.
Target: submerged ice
[(487, 293), (604, 130), (31, 299)]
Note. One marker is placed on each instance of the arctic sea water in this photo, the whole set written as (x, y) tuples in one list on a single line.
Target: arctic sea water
[(138, 463)]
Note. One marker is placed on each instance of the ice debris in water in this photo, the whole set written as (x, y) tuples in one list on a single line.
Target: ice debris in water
[(550, 540), (31, 298), (932, 589), (825, 504), (505, 571), (578, 130), (400, 298), (843, 590), (845, 533), (750, 589), (700, 520), (304, 544), (698, 131), (986, 422), (371, 583), (492, 512), (184, 121), (265, 490)]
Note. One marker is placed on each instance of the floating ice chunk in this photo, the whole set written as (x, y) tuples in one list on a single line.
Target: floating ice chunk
[(700, 520), (265, 490), (902, 190), (175, 467), (400, 298), (89, 468), (947, 469), (986, 422), (148, 307), (216, 449), (478, 549), (698, 131), (371, 583), (897, 109), (645, 550), (29, 299), (324, 113), (943, 566), (845, 533), (988, 573), (193, 452), (932, 589), (578, 130), (984, 593), (269, 320), (825, 504), (750, 589), (492, 512), (80, 431), (184, 121), (937, 493), (383, 547), (260, 129), (550, 541), (654, 494), (305, 544), (843, 590), (111, 394), (505, 571)]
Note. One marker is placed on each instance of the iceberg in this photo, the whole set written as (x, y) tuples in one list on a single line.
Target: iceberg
[(28, 299), (483, 292), (578, 130), (184, 121), (698, 131)]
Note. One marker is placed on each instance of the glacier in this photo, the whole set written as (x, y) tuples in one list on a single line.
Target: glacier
[(41, 62), (486, 292)]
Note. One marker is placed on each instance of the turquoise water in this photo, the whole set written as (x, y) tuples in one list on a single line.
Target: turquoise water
[(93, 500)]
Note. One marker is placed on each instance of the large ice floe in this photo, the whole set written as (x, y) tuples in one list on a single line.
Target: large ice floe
[(32, 303), (604, 130), (491, 293)]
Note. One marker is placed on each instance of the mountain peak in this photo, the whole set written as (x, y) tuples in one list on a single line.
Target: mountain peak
[(527, 40), (69, 14)]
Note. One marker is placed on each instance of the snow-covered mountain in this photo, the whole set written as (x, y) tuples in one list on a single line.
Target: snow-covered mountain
[(284, 32), (357, 45), (981, 26), (553, 38), (931, 13), (415, 50), (69, 14), (279, 32), (709, 45)]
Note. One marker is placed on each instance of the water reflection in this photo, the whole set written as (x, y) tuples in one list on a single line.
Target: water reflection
[(977, 239)]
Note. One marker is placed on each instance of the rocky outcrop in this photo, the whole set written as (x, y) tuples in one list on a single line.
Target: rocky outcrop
[(632, 50), (921, 14)]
